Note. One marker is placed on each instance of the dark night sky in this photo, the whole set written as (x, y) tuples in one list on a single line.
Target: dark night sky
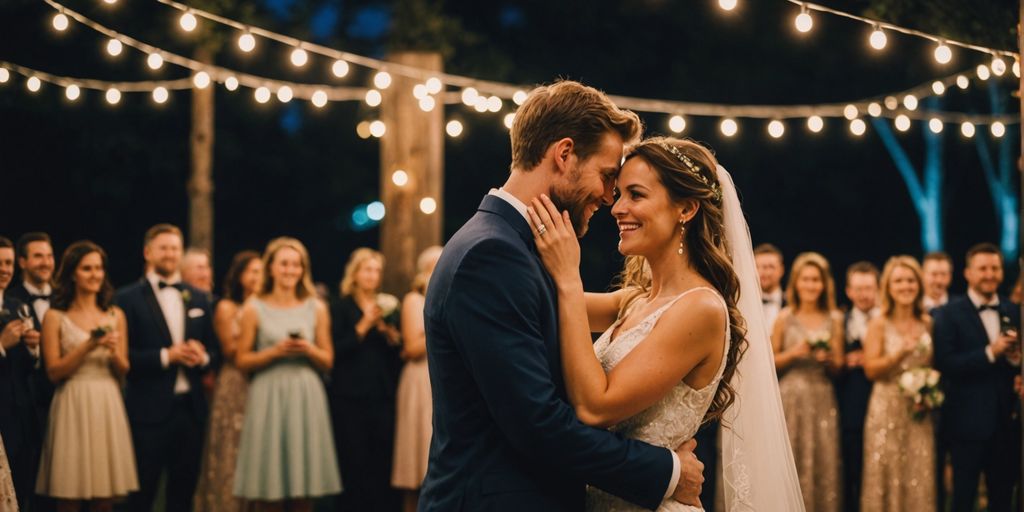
[(85, 170)]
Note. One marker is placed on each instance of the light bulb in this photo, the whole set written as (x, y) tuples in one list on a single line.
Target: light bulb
[(201, 80), (850, 112), (319, 99), (874, 109), (938, 87), (891, 102), (494, 104), (967, 129), (400, 178), (231, 83), (943, 54), (878, 39), (935, 125), (377, 129), (262, 94), (113, 96), (60, 22), (480, 104), (434, 85), (815, 123), (858, 127), (469, 96), (519, 97), (339, 68), (246, 42), (427, 103), (998, 66), (983, 72), (375, 210), (902, 123), (114, 47), (4, 75), (1016, 68), (154, 61), (33, 83), (419, 91), (910, 102), (373, 97), (998, 129), (962, 82), (453, 128), (160, 94), (804, 22), (776, 129), (299, 57), (727, 5), (188, 22), (285, 94), (729, 127), (428, 205), (677, 124), (110, 2), (72, 92), (363, 130), (382, 79), (509, 119)]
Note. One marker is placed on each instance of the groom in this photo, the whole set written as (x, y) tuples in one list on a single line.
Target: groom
[(505, 436)]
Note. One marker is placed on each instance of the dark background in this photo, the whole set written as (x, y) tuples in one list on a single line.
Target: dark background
[(88, 170)]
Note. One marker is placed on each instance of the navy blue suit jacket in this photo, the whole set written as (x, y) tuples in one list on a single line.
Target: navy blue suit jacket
[(853, 389), (505, 436), (979, 394), (149, 392)]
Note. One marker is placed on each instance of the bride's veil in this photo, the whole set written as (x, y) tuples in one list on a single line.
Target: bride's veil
[(757, 461)]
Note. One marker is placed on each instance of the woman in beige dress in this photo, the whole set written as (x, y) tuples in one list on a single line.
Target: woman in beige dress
[(8, 501), (414, 406), (899, 458), (808, 343), (87, 449), (215, 490)]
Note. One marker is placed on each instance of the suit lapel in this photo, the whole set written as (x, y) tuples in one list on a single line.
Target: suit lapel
[(974, 320), (158, 314)]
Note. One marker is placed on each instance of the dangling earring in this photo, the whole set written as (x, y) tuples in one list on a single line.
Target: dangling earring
[(682, 236)]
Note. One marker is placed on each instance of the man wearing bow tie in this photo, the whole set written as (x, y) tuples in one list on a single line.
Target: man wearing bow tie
[(770, 269), (977, 349), (171, 343)]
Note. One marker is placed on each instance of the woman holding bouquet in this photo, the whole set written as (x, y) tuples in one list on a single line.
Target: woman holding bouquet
[(808, 343), (899, 458), (363, 383)]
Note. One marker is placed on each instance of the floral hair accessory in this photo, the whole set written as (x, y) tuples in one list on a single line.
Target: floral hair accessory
[(692, 168)]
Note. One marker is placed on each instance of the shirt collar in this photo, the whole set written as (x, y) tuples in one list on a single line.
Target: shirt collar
[(512, 200), (45, 290), (775, 296), (979, 301), (154, 279)]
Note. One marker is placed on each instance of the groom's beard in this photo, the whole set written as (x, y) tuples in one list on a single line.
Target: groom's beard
[(575, 201)]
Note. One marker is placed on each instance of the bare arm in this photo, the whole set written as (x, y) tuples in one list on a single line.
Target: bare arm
[(321, 351), (785, 358), (223, 320), (60, 367), (836, 356), (414, 336), (603, 309), (119, 351), (246, 358)]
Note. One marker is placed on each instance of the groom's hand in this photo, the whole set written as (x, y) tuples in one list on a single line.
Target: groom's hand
[(691, 475)]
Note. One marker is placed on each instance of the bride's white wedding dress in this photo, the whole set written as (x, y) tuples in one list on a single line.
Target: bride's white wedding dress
[(669, 422)]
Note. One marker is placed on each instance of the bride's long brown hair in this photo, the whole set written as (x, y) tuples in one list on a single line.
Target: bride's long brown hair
[(704, 240)]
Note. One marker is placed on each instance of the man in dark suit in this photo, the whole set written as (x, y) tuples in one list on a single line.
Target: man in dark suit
[(977, 349), (170, 342), (853, 389), (505, 437)]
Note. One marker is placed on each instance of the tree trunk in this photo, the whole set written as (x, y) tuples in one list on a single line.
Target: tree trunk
[(414, 143), (200, 183)]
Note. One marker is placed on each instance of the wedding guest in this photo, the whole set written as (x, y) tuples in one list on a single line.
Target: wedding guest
[(8, 501), (770, 269), (196, 269), (852, 387), (16, 412), (898, 442), (286, 452), (215, 491), (172, 343), (415, 408), (977, 349), (938, 273), (87, 455), (808, 343), (363, 382)]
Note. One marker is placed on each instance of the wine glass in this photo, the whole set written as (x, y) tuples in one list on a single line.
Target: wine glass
[(25, 314)]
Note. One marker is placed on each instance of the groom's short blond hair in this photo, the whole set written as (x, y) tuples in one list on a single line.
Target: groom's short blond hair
[(567, 109)]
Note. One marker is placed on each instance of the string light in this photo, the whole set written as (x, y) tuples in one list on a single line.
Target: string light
[(285, 94), (201, 80), (943, 54), (858, 127), (878, 38), (480, 104), (378, 128), (375, 210), (850, 112), (910, 102), (453, 128), (803, 21), (509, 119), (815, 123), (110, 2), (113, 96), (519, 97), (983, 72), (998, 129), (72, 92), (4, 75), (1016, 68), (299, 57), (419, 91), (935, 125), (188, 22), (428, 205), (246, 42), (262, 94), (677, 123), (427, 103), (892, 103), (60, 22), (494, 104), (231, 83), (114, 47), (160, 94), (776, 129), (319, 99), (363, 129), (33, 84), (400, 178), (154, 61), (373, 97), (727, 5), (729, 127), (339, 68), (962, 82), (998, 66), (902, 123), (938, 87), (382, 79), (967, 129), (874, 109), (469, 96), (433, 85)]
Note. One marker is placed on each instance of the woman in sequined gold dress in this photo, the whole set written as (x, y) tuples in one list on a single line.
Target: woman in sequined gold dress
[(8, 502), (214, 491), (899, 459), (808, 343)]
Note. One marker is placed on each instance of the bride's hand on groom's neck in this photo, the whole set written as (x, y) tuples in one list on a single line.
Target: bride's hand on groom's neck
[(556, 241)]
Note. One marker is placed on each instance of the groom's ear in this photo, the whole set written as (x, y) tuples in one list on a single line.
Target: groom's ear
[(562, 153)]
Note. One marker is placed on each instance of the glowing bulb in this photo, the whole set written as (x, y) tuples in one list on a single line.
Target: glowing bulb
[(776, 128), (319, 99), (400, 178), (188, 22), (262, 94), (154, 61), (874, 109), (677, 124), (4, 75), (494, 104), (419, 91), (938, 87), (519, 97), (891, 102), (878, 39), (285, 94), (339, 68), (962, 82), (815, 123), (935, 125), (114, 47), (72, 92), (998, 66), (453, 128), (231, 83), (375, 210), (246, 42), (60, 22), (727, 5), (33, 83), (983, 72), (382, 79), (113, 96), (850, 112), (110, 2), (428, 205), (469, 96), (373, 97), (480, 104), (201, 80), (377, 129), (299, 57), (804, 23), (943, 54), (363, 130), (910, 102), (509, 119), (434, 85), (427, 103), (902, 123), (967, 129), (997, 129), (858, 127), (729, 127), (160, 94), (1016, 68)]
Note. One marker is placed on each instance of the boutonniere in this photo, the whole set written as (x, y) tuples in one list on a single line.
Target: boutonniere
[(186, 296)]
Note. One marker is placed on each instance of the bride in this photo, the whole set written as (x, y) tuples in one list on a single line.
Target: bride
[(684, 339)]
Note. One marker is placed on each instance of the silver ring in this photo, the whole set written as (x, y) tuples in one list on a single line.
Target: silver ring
[(542, 229)]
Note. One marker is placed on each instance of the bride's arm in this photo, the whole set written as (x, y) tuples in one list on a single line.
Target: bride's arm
[(603, 309)]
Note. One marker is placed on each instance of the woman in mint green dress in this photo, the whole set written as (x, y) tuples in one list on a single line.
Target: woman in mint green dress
[(286, 454)]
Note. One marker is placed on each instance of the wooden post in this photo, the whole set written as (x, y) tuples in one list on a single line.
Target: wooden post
[(200, 183), (414, 143)]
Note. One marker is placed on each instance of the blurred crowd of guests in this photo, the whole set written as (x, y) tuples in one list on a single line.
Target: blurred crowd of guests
[(265, 394)]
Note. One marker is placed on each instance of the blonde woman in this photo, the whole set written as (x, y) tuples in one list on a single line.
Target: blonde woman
[(286, 453), (808, 341)]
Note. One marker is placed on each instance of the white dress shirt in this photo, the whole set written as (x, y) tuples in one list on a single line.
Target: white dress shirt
[(173, 307), (930, 303), (521, 208), (990, 319), (771, 303), (857, 327), (40, 306)]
